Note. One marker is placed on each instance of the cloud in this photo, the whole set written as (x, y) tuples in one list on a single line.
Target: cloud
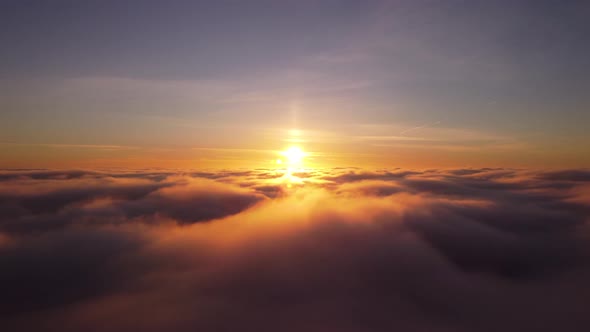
[(35, 202), (339, 250), (567, 175)]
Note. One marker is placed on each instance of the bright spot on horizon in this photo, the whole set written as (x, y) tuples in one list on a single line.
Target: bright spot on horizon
[(293, 160), (294, 155)]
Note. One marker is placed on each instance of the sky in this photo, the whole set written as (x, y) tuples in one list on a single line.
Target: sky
[(230, 84)]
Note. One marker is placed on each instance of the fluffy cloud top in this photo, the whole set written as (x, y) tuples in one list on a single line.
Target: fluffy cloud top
[(331, 250)]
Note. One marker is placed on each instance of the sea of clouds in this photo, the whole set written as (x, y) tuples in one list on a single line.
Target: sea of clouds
[(321, 250)]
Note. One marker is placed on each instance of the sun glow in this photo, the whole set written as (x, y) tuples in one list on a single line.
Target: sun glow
[(294, 156), (292, 161)]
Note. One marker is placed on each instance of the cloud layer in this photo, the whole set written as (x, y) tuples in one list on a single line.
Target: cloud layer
[(324, 250)]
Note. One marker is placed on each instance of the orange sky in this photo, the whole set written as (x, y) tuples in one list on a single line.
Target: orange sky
[(422, 148)]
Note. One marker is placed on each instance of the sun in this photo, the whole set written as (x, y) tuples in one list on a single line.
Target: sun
[(294, 155)]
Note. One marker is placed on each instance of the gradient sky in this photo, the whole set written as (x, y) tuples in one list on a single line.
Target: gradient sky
[(354, 83)]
